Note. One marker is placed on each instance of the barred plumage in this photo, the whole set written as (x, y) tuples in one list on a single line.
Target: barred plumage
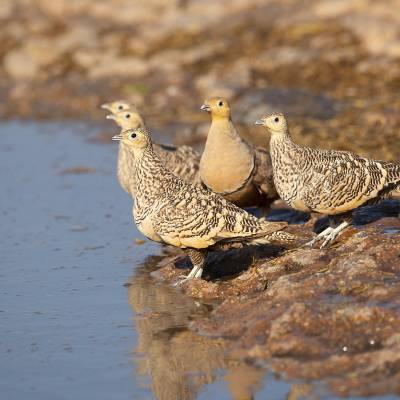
[(326, 181), (230, 166), (167, 209), (183, 161)]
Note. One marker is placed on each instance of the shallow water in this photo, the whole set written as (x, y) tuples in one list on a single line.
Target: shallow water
[(81, 315), (69, 328)]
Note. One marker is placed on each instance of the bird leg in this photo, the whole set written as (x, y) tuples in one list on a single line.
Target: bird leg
[(197, 257), (328, 235)]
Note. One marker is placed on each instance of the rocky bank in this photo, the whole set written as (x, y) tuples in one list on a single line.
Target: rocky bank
[(330, 318)]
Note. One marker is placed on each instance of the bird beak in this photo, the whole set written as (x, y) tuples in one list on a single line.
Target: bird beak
[(117, 137), (110, 116), (106, 106), (259, 122), (205, 107)]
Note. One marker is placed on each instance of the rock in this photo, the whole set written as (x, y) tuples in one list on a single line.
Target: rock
[(19, 65), (110, 65), (310, 313), (6, 9), (26, 62), (78, 36), (284, 55)]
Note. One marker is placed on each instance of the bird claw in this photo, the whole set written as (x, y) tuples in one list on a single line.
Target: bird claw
[(328, 235), (311, 242), (328, 239), (321, 236), (181, 280)]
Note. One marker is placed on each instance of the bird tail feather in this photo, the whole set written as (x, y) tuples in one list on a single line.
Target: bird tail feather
[(275, 237)]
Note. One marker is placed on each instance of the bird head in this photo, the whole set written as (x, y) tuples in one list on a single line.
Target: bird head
[(117, 106), (135, 139), (217, 106), (275, 123), (130, 119)]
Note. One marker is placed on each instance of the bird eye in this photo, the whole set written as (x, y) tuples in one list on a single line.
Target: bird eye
[(276, 119), (120, 107), (220, 103), (133, 135), (127, 115)]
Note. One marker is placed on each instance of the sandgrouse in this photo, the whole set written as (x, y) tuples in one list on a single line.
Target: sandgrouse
[(230, 166), (119, 105), (169, 210), (183, 161), (326, 181)]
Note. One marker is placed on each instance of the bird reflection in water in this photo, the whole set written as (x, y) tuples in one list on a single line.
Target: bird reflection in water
[(179, 362)]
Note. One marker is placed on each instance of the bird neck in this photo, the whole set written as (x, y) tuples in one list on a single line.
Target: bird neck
[(150, 174), (281, 136), (223, 131), (132, 124), (282, 148)]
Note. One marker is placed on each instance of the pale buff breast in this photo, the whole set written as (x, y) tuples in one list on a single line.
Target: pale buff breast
[(298, 204), (125, 165), (227, 162), (146, 227)]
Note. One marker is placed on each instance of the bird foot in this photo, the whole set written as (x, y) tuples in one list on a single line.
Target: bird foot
[(181, 280), (195, 273), (328, 239), (328, 235), (319, 237)]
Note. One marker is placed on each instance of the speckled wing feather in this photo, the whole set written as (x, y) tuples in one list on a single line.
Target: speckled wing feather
[(196, 217), (338, 181), (393, 171), (263, 176), (182, 161)]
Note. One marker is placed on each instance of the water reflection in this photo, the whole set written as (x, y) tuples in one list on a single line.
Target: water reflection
[(178, 362)]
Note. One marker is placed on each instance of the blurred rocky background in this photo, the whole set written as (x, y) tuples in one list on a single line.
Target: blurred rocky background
[(332, 65)]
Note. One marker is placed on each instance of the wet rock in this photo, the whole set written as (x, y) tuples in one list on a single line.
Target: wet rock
[(313, 314), (80, 169)]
